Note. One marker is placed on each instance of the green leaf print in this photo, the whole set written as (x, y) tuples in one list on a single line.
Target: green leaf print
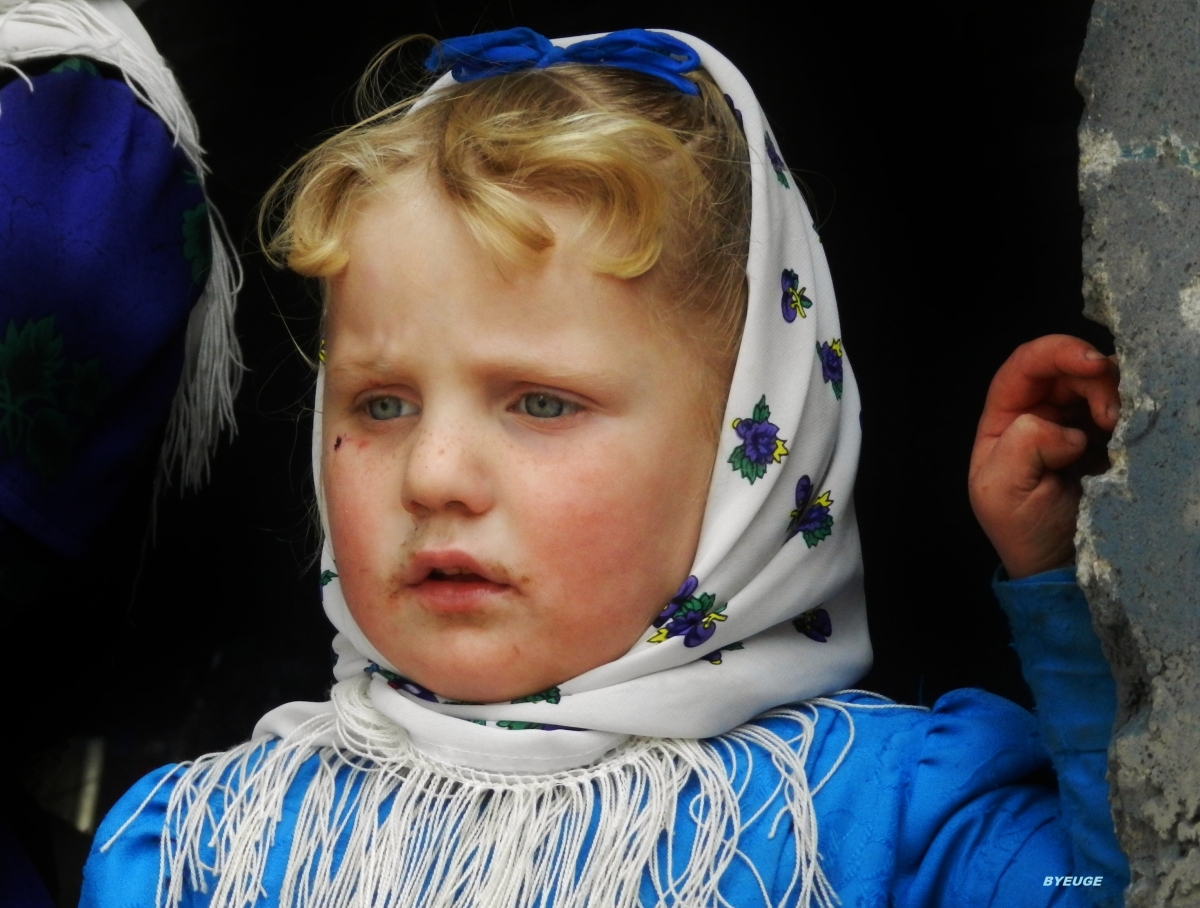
[(76, 65), (197, 243), (748, 468), (43, 410), (30, 359), (552, 695), (824, 531)]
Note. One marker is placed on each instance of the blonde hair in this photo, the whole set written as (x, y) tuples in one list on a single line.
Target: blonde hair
[(662, 179)]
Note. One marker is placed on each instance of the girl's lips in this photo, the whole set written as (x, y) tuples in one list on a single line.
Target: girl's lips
[(449, 563), (450, 581), (449, 595)]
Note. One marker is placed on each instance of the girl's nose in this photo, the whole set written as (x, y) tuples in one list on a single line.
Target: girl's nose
[(444, 469)]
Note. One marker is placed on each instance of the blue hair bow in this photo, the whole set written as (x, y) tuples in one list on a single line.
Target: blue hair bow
[(494, 53)]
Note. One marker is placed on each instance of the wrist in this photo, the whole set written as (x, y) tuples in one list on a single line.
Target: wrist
[(1064, 574), (1019, 569), (1019, 565)]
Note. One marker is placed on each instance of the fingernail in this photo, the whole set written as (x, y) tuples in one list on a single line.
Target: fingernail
[(1114, 412), (1094, 354)]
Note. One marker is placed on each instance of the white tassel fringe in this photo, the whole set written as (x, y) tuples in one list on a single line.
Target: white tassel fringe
[(203, 403), (417, 831)]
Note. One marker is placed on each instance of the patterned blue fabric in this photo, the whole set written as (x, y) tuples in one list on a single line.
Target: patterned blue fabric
[(104, 250), (493, 53), (929, 808)]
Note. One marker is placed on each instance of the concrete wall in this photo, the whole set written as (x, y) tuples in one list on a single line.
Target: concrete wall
[(1139, 536)]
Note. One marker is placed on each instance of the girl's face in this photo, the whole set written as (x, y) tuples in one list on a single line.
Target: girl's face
[(515, 469)]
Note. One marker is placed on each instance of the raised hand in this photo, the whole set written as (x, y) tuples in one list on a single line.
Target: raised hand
[(1049, 411)]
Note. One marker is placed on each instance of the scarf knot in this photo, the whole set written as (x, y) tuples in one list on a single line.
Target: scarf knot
[(494, 53)]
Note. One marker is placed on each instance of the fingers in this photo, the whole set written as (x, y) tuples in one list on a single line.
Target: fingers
[(1104, 397), (1025, 501), (1057, 354), (1021, 455), (1032, 445), (1048, 408), (1050, 376)]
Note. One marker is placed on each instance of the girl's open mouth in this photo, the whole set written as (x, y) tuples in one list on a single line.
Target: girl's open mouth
[(456, 589), (454, 575)]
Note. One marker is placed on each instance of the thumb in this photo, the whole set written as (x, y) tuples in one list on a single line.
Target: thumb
[(1031, 445)]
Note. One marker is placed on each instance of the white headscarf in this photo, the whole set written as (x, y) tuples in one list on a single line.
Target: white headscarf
[(772, 611)]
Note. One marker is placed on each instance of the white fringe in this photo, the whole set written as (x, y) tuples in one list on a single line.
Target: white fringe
[(203, 403), (417, 831)]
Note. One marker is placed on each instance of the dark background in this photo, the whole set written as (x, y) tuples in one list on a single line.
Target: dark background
[(937, 145)]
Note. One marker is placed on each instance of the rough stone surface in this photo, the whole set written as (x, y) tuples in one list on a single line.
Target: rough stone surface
[(1139, 536)]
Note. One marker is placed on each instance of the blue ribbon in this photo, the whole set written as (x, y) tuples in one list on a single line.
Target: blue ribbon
[(493, 53)]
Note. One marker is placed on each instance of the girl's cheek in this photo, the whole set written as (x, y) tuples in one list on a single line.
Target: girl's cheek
[(348, 441), (589, 518), (356, 480)]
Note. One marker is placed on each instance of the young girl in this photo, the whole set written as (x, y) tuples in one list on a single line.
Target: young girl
[(578, 664)]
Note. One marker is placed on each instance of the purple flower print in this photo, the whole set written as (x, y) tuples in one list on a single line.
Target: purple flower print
[(776, 162), (737, 114), (793, 301), (689, 616), (761, 444), (686, 589), (830, 354), (715, 656), (399, 682), (695, 625), (814, 624), (758, 438), (811, 519)]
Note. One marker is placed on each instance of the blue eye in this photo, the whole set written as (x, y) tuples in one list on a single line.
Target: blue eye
[(545, 406), (389, 408)]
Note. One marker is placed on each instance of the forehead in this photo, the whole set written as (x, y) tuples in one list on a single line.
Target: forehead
[(417, 274)]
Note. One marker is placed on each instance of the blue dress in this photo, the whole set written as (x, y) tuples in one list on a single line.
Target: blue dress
[(935, 807)]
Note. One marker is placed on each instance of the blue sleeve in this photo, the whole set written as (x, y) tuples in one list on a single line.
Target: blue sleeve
[(1075, 699), (977, 828), (124, 866), (122, 872), (971, 814)]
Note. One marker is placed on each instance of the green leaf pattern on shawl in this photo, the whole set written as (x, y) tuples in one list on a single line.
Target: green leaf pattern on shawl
[(45, 402), (197, 243)]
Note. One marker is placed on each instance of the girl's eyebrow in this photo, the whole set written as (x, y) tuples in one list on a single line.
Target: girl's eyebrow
[(537, 370), (373, 366), (531, 369)]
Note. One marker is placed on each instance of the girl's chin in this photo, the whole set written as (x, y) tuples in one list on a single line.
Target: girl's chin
[(482, 683)]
